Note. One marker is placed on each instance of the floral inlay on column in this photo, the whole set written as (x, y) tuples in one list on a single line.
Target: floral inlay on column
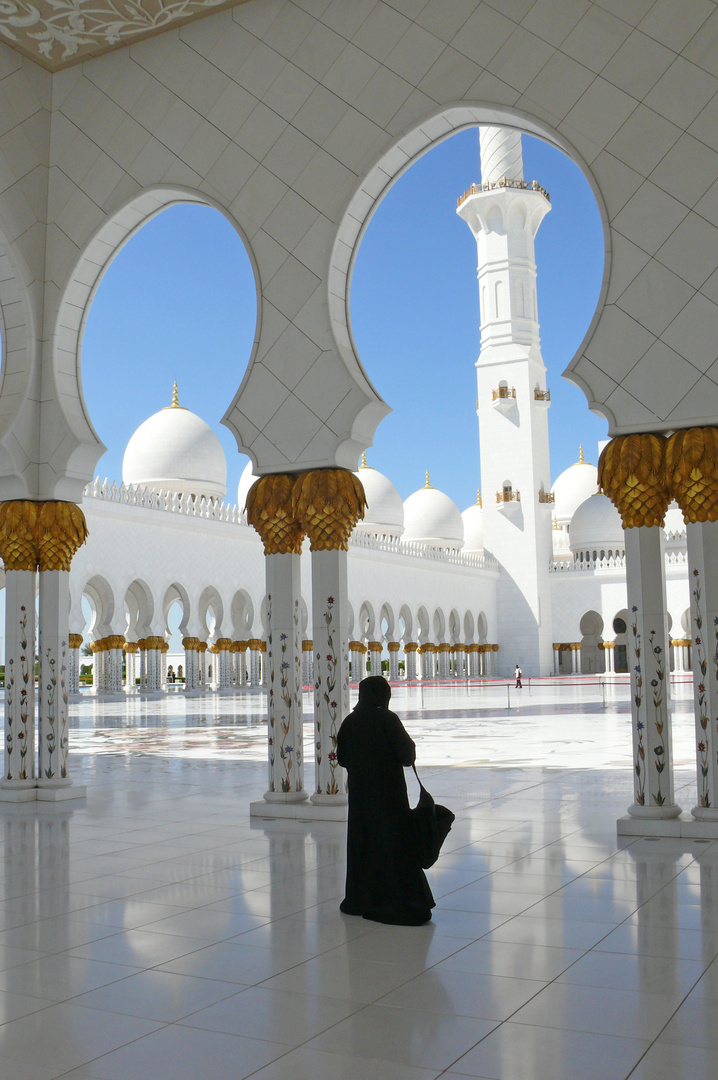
[(637, 678)]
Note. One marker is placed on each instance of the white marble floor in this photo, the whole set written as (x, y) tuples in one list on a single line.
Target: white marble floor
[(153, 931)]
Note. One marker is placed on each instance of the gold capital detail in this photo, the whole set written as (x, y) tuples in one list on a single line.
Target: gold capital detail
[(61, 530), (114, 641), (270, 511), (327, 504), (411, 646), (357, 646), (631, 472), (75, 641), (191, 644), (307, 645), (224, 644), (130, 647), (393, 646), (692, 472)]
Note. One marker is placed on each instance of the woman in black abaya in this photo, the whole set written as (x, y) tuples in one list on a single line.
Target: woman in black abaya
[(384, 879)]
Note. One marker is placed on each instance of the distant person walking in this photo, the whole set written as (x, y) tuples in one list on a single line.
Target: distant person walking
[(517, 676)]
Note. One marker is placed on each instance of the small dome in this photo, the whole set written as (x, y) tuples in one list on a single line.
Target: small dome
[(473, 519), (245, 482), (596, 526), (385, 511), (430, 517), (176, 451), (572, 487)]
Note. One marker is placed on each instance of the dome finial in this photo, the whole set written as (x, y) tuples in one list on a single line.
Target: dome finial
[(555, 523), (581, 459), (363, 460), (175, 396), (478, 497), (428, 481)]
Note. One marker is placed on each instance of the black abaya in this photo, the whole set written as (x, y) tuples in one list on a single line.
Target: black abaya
[(384, 879)]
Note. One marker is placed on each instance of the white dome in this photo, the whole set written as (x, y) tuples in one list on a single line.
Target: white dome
[(245, 482), (572, 487), (175, 450), (385, 510), (430, 517), (473, 519), (596, 526)]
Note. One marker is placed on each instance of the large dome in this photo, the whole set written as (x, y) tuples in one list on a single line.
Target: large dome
[(572, 487), (430, 517), (596, 527), (245, 482), (473, 519), (176, 451), (385, 511)]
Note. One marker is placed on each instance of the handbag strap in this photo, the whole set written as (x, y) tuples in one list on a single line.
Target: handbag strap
[(417, 777)]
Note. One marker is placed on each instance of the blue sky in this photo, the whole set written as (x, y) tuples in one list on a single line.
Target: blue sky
[(178, 303)]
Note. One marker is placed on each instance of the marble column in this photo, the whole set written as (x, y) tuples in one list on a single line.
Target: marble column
[(73, 668), (191, 665), (393, 650), (270, 511), (631, 472), (692, 472), (410, 651), (357, 652), (327, 504), (255, 645), (460, 661), (19, 775), (243, 673), (307, 662), (223, 654), (443, 651), (130, 650), (375, 650), (284, 663), (61, 531), (556, 654), (202, 666)]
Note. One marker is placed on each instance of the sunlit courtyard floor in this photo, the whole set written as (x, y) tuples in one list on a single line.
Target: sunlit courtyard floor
[(152, 931)]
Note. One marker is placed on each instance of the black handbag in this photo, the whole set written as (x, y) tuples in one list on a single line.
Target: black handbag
[(431, 823)]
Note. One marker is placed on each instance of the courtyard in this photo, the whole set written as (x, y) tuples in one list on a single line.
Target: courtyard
[(154, 930)]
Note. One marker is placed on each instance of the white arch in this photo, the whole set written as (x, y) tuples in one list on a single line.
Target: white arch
[(440, 124), (73, 459)]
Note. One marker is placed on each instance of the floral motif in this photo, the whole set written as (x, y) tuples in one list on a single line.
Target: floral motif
[(637, 678), (657, 685), (701, 694), (84, 26), (324, 693)]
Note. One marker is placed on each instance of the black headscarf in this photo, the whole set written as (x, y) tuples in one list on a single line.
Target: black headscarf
[(374, 693)]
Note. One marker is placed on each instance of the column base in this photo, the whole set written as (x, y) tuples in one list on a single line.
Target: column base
[(60, 791), (654, 813), (51, 791), (18, 791), (684, 827), (110, 695), (195, 692), (705, 813), (284, 798), (304, 811), (152, 695), (329, 800)]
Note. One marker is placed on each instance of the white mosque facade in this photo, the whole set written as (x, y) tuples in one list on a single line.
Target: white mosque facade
[(536, 576)]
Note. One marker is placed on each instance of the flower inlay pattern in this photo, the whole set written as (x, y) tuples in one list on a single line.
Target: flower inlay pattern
[(56, 33)]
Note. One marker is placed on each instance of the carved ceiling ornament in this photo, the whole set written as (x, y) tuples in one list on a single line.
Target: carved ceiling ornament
[(58, 33)]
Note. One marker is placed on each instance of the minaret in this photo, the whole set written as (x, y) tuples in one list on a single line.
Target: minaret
[(504, 213)]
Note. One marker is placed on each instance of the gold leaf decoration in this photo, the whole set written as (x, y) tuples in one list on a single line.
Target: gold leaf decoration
[(692, 472), (328, 503), (61, 530), (269, 511), (632, 473), (18, 534)]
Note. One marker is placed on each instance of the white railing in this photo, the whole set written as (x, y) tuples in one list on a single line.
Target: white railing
[(616, 562), (416, 550), (212, 509), (173, 503)]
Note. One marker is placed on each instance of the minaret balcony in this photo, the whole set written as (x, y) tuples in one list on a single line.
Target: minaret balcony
[(503, 182), (542, 395), (546, 498), (504, 398), (508, 501)]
